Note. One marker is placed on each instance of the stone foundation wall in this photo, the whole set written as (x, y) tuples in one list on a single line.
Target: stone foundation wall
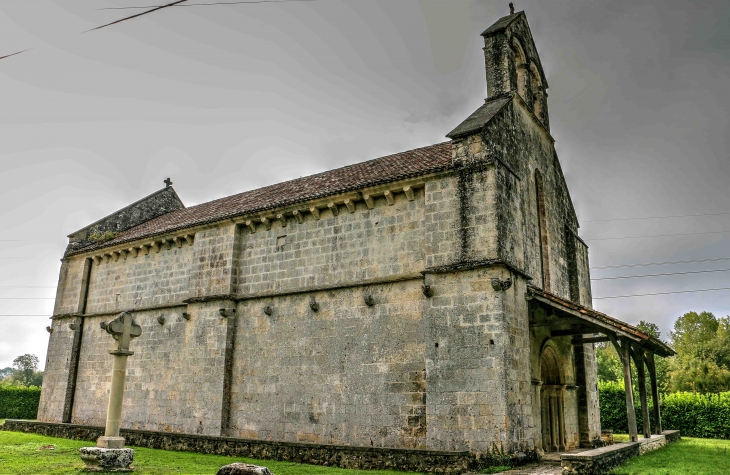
[(364, 458)]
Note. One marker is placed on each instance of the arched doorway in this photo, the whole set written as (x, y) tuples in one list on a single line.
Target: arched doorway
[(551, 402)]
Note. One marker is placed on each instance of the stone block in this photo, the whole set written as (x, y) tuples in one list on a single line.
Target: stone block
[(110, 442), (243, 469), (98, 459)]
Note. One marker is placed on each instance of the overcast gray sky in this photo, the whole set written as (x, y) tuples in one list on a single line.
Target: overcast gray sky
[(227, 98)]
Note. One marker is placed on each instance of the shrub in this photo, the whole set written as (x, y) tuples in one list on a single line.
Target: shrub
[(694, 415), (18, 402)]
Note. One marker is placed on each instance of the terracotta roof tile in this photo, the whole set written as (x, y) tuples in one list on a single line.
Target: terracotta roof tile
[(399, 166)]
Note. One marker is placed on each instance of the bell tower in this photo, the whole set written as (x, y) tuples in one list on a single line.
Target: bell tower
[(513, 64)]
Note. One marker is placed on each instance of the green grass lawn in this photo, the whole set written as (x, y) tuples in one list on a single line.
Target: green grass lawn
[(28, 454), (688, 456)]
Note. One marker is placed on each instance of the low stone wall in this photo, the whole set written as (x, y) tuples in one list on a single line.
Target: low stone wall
[(602, 460), (369, 458), (598, 461)]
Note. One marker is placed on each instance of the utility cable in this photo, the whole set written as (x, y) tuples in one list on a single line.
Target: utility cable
[(655, 217), (661, 275), (654, 235), (660, 293), (207, 4), (646, 264)]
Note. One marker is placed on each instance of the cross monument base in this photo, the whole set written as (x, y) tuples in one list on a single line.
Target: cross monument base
[(98, 459)]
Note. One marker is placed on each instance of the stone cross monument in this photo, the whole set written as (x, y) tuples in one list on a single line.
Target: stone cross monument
[(110, 454)]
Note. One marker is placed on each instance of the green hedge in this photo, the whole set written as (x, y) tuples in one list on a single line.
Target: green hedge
[(694, 415), (19, 402)]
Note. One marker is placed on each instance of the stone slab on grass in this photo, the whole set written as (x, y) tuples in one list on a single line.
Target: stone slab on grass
[(98, 459), (243, 469)]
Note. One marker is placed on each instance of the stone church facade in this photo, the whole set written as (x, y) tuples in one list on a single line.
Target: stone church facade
[(437, 298)]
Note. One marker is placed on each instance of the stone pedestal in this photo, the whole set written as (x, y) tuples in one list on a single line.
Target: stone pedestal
[(98, 459)]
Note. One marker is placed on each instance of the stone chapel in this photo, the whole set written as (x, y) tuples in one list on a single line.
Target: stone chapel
[(438, 298)]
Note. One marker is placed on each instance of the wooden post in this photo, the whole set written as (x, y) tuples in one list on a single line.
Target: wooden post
[(654, 393), (624, 352), (639, 360), (630, 411)]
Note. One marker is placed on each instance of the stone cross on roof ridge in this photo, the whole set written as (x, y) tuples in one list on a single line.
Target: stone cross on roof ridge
[(168, 182), (123, 329)]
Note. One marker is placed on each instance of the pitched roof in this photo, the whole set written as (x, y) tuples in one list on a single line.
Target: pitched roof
[(501, 24), (399, 166), (480, 117)]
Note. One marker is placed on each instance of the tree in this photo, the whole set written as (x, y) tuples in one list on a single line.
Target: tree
[(5, 372), (702, 363), (26, 367)]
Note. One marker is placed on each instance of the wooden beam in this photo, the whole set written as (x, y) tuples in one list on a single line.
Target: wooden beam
[(638, 355), (570, 332), (654, 392), (598, 339)]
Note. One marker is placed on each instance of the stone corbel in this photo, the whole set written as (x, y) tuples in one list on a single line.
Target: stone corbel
[(190, 239), (333, 207), (251, 226), (389, 196), (115, 255), (166, 244), (350, 205), (227, 312), (529, 295), (314, 305), (178, 241), (49, 329), (299, 216), (427, 290), (369, 201), (409, 193), (155, 246), (268, 310), (97, 260), (186, 315), (161, 320), (144, 249), (266, 222), (501, 285), (369, 300), (124, 254), (282, 219), (315, 212), (133, 251), (107, 258)]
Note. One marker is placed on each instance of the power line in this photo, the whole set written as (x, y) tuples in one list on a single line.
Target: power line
[(26, 287), (656, 217), (27, 298), (661, 263), (25, 316), (207, 4), (660, 275), (654, 235), (660, 293)]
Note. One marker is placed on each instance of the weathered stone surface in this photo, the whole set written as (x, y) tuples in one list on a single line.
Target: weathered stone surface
[(156, 204), (243, 469), (365, 458), (110, 442), (99, 459)]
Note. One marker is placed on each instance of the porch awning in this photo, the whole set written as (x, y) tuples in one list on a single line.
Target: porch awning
[(573, 319)]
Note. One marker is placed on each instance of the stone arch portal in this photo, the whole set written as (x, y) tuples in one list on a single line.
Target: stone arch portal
[(552, 413)]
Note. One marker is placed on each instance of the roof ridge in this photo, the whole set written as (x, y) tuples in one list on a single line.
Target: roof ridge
[(389, 168)]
